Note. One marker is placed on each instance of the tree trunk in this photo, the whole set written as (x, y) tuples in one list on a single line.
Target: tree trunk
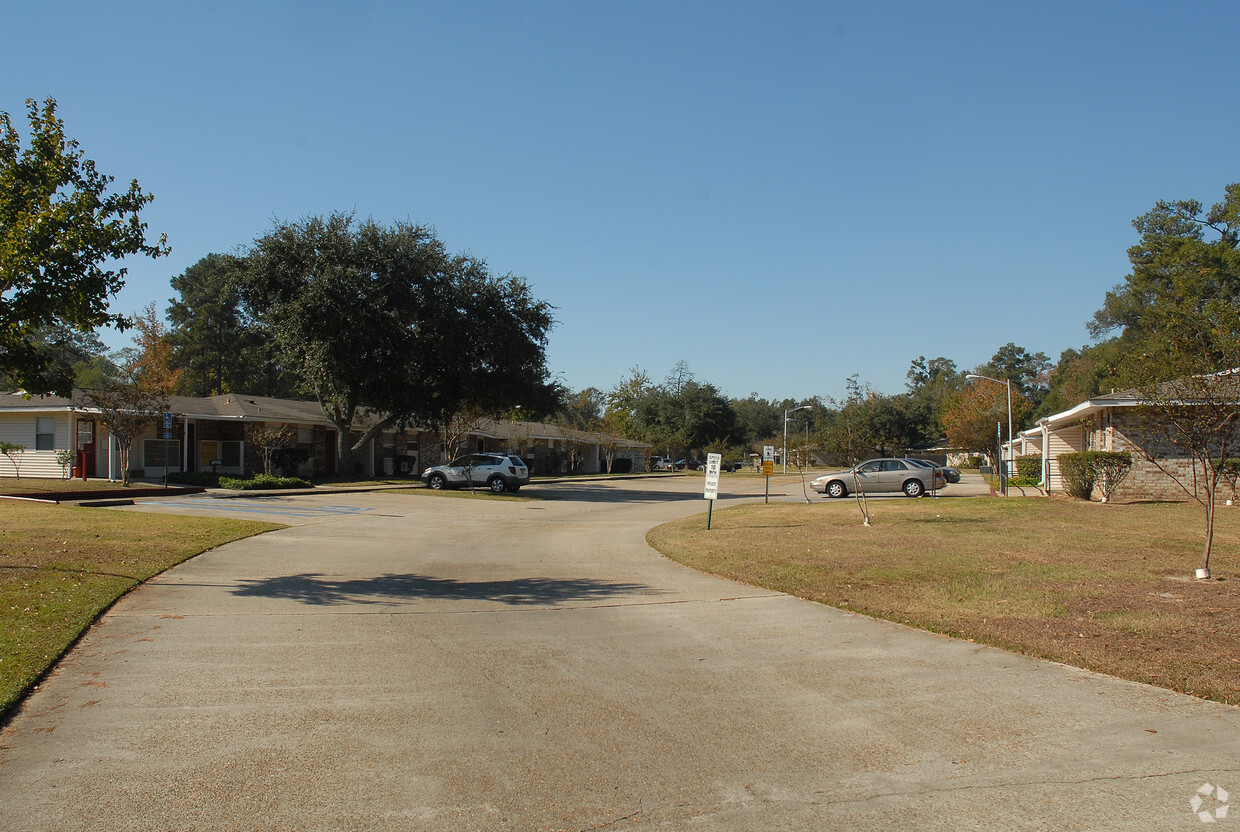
[(1205, 555), (344, 452), (1211, 485), (123, 453)]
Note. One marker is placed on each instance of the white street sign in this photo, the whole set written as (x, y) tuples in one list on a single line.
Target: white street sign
[(713, 463), (768, 453)]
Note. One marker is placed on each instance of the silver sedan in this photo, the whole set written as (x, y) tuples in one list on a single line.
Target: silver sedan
[(881, 476)]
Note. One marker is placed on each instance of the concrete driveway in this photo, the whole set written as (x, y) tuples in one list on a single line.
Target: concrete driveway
[(412, 662)]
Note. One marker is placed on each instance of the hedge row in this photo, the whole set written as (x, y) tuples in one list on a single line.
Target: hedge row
[(206, 479)]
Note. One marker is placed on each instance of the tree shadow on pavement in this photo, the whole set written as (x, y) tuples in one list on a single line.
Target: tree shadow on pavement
[(322, 590), (604, 492)]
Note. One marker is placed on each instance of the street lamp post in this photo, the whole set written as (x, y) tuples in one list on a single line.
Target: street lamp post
[(786, 412), (1002, 462)]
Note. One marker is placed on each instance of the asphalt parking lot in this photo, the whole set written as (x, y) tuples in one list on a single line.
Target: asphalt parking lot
[(415, 662)]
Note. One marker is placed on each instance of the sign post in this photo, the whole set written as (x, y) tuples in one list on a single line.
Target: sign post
[(167, 436), (713, 464), (768, 468)]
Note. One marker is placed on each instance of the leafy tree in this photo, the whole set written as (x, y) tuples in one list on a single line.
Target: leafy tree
[(757, 419), (79, 355), (1081, 374), (923, 373), (14, 452), (930, 384), (972, 414), (582, 411), (1178, 311), (267, 438), (218, 343), (127, 409), (1027, 372), (384, 321), (623, 401), (457, 429), (866, 423), (677, 416), (684, 414), (1178, 317), (152, 362), (61, 233)]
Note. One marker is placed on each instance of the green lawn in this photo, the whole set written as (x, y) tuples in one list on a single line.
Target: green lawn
[(1105, 587), (61, 566)]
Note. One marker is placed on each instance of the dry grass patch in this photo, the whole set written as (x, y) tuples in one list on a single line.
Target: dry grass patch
[(61, 566), (1105, 587)]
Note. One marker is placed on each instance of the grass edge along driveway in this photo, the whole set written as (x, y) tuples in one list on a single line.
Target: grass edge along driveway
[(1102, 587), (61, 567)]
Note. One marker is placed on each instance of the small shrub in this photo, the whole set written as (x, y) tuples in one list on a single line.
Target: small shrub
[(1082, 471), (262, 481), (1029, 466), (14, 452), (65, 459), (1111, 468), (1229, 472), (1078, 474), (1025, 482)]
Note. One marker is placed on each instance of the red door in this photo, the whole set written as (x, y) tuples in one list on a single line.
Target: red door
[(86, 448)]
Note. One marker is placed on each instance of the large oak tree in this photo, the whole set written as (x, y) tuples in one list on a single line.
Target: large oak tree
[(382, 321)]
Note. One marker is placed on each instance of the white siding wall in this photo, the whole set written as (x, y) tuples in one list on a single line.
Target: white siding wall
[(1066, 440), (19, 428)]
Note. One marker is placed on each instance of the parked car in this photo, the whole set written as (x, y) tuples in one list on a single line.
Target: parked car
[(734, 465), (689, 464), (881, 476), (660, 463), (951, 474), (498, 472)]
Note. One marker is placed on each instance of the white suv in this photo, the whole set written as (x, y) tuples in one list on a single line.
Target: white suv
[(498, 472)]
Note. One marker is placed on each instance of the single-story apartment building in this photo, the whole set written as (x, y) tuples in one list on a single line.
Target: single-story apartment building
[(210, 434), (1109, 422)]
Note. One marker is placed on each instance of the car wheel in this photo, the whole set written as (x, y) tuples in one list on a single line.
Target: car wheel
[(497, 485), (835, 488), (437, 482), (914, 488)]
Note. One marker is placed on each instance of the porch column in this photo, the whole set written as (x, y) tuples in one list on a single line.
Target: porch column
[(1046, 454)]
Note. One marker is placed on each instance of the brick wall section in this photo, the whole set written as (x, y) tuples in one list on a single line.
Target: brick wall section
[(1146, 481)]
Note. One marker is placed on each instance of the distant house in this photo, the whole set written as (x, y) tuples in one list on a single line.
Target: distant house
[(209, 434), (1109, 423)]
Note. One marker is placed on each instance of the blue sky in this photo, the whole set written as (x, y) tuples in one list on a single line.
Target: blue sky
[(778, 194)]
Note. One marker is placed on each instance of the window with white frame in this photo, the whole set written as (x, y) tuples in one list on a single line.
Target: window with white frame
[(45, 433)]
